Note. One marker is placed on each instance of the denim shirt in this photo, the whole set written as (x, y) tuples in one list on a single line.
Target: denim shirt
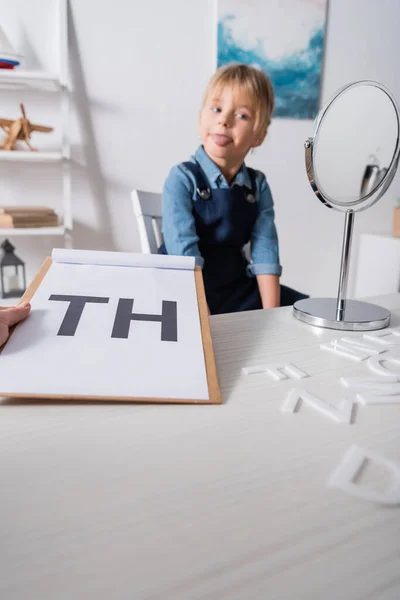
[(178, 224)]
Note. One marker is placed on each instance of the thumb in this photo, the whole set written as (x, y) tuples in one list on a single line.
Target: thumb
[(13, 315)]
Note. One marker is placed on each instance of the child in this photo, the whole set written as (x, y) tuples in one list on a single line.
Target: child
[(214, 205)]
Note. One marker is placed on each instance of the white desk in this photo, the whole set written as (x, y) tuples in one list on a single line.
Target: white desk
[(200, 502)]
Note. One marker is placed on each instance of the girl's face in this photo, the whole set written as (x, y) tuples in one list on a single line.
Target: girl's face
[(226, 126)]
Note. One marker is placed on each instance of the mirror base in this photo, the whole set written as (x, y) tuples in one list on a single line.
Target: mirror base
[(358, 316)]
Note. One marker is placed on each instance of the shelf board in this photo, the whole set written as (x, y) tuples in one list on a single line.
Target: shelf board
[(10, 232), (29, 80), (28, 156)]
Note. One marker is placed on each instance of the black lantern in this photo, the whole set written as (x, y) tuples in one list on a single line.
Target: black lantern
[(12, 273)]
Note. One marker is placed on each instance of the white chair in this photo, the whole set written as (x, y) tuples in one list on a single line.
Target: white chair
[(148, 213), (147, 210)]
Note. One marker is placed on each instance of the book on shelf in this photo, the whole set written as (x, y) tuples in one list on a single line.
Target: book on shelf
[(34, 210), (27, 216)]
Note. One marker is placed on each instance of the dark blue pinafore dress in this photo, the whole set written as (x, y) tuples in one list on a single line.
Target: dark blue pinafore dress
[(224, 220)]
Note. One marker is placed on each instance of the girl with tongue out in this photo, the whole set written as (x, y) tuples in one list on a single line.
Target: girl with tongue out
[(213, 205)]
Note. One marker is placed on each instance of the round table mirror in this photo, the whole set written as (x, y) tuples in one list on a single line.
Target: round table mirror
[(351, 161)]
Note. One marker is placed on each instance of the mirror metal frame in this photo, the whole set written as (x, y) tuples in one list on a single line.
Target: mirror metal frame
[(309, 145), (340, 313)]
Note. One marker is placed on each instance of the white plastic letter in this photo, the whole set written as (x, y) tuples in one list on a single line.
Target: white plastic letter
[(372, 382), (341, 414), (375, 364), (388, 389), (366, 398), (353, 348), (277, 371), (389, 336), (346, 472)]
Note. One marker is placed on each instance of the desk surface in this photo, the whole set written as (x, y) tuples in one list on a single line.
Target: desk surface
[(201, 502)]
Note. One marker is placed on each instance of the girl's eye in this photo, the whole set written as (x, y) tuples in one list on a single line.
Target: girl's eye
[(242, 116), (215, 109)]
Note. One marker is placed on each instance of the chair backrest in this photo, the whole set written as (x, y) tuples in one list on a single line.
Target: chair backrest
[(148, 213), (147, 210)]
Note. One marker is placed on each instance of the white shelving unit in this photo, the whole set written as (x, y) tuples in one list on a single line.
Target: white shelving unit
[(44, 82), (30, 80), (18, 231), (26, 156)]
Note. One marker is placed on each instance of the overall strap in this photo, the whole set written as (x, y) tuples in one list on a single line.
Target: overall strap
[(202, 188), (252, 174)]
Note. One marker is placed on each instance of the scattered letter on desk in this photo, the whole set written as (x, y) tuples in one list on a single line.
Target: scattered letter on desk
[(340, 414), (354, 348), (375, 390), (389, 336), (277, 371), (375, 363), (345, 474)]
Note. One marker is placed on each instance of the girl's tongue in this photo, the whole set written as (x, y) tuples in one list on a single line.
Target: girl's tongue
[(220, 139)]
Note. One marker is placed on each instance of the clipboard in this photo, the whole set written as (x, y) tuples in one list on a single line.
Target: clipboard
[(213, 395)]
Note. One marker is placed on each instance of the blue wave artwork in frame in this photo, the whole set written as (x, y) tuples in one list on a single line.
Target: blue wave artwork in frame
[(284, 38)]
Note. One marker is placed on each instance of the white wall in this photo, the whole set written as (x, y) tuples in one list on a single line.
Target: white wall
[(139, 70)]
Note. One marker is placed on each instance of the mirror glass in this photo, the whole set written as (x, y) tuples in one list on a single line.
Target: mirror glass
[(350, 163), (355, 142)]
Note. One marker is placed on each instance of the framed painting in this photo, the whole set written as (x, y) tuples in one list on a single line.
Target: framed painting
[(284, 38)]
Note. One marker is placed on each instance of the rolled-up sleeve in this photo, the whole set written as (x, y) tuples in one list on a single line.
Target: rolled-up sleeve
[(264, 237), (178, 224)]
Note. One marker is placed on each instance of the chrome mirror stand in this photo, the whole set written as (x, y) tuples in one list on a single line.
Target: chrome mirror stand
[(341, 313), (338, 121)]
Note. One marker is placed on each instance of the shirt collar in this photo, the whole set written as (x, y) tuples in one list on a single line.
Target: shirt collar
[(213, 173)]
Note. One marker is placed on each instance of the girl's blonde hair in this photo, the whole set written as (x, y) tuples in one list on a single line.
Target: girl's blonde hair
[(251, 80)]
